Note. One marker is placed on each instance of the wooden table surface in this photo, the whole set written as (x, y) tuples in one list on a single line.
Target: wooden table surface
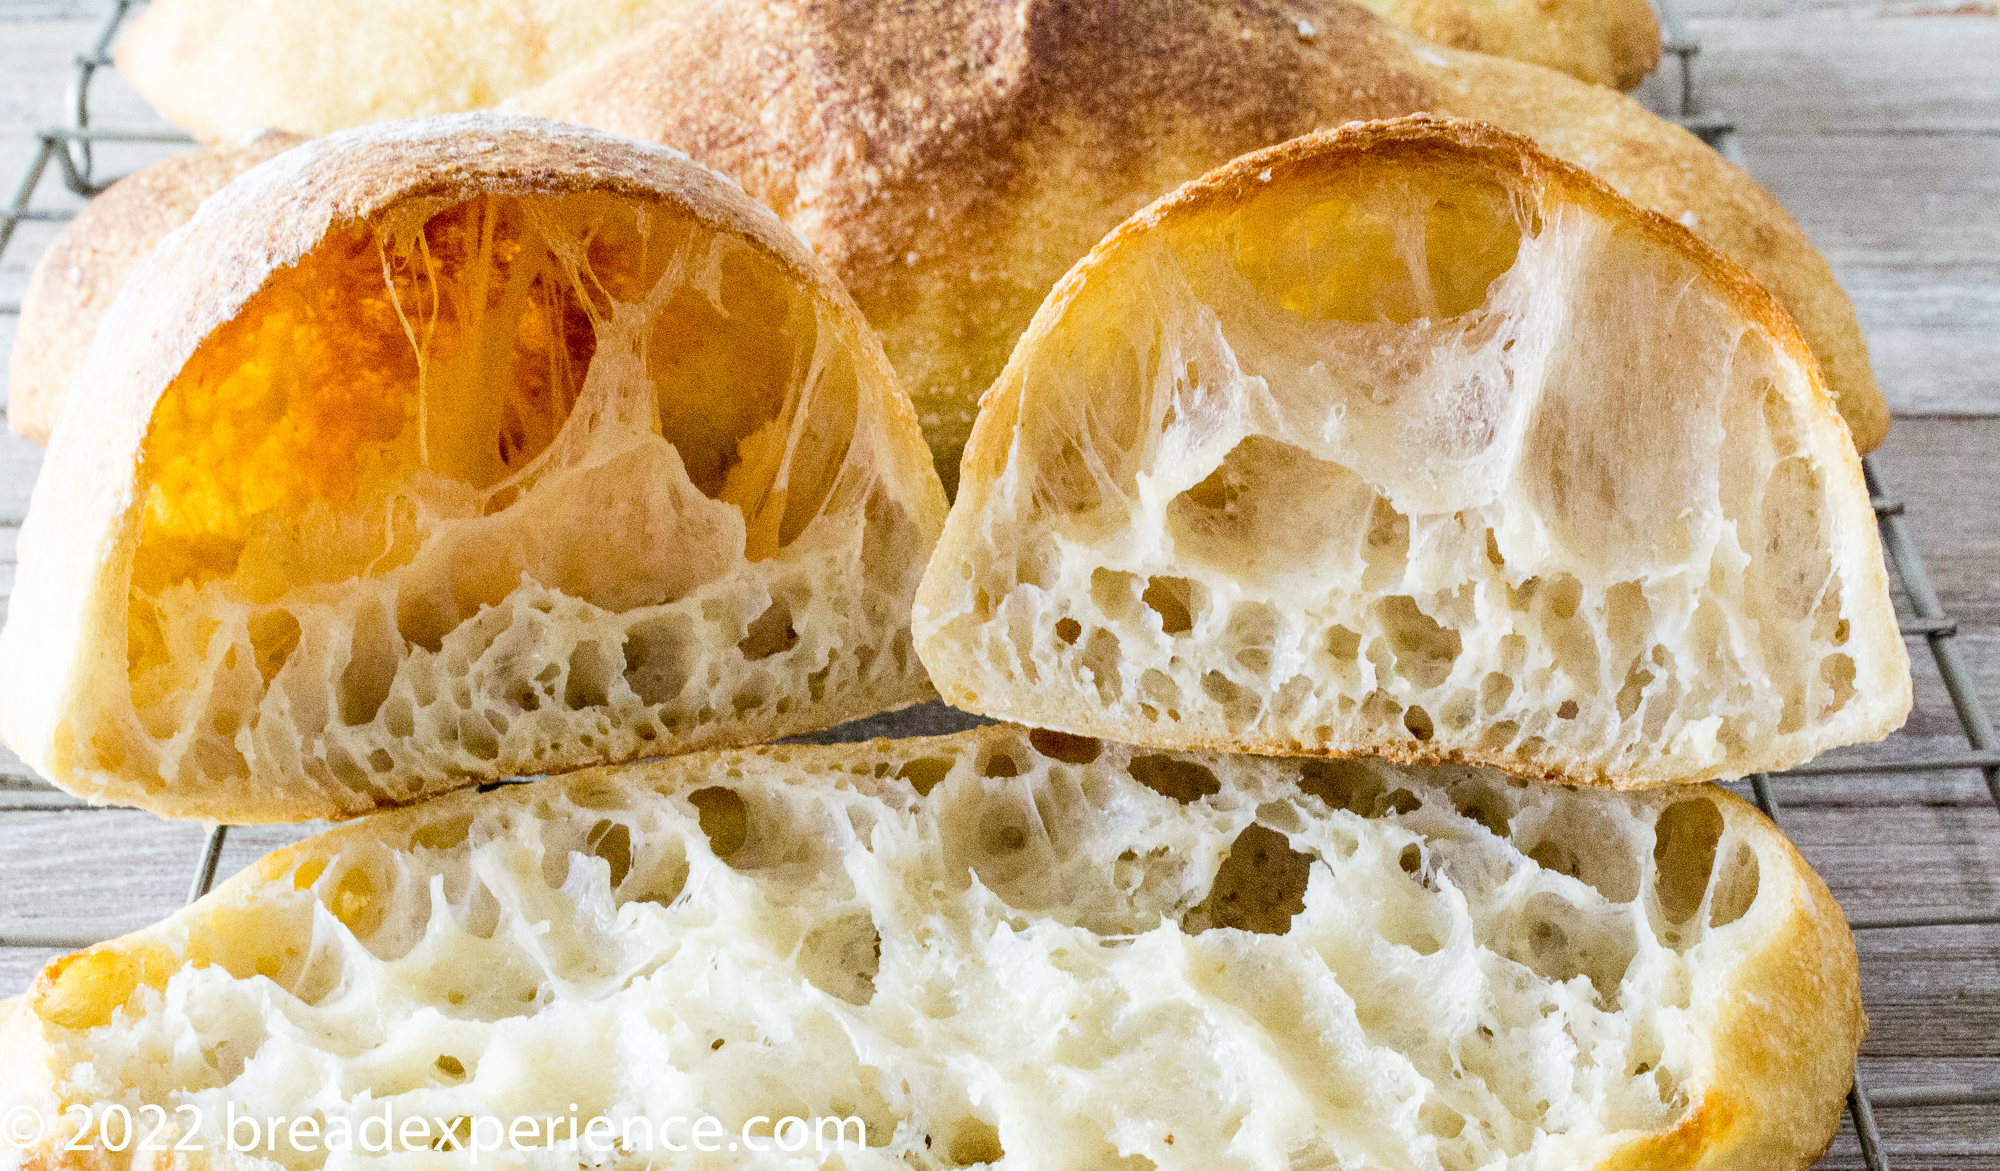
[(1881, 134)]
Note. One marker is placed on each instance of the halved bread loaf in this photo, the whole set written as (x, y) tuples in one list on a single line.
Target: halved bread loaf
[(1609, 42), (445, 450), (1003, 947), (950, 160), (76, 280), (217, 68), (1407, 438)]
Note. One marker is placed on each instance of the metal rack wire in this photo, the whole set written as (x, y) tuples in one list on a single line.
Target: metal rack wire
[(69, 148)]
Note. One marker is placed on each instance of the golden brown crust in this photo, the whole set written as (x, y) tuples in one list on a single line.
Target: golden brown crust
[(1614, 43), (951, 159), (67, 616), (76, 279), (1784, 1049)]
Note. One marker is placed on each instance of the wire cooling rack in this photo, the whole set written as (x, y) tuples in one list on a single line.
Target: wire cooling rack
[(69, 149)]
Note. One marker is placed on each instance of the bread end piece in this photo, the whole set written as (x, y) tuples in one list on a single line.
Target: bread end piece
[(1241, 489), (247, 599)]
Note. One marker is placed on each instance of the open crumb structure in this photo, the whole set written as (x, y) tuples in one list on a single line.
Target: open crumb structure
[(1009, 948), (1407, 439), (509, 479)]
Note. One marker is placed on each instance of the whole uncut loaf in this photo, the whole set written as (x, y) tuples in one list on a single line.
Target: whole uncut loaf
[(1609, 42), (440, 451), (76, 280), (1407, 438), (1002, 947), (950, 159), (217, 68)]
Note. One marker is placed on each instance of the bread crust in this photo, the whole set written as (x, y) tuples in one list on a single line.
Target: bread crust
[(966, 683), (76, 280), (65, 704), (951, 159), (1776, 1055), (1613, 43)]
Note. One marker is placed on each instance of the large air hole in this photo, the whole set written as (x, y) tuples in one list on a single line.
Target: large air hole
[(1184, 780), (1343, 784), (1269, 511), (1260, 886), (924, 773), (274, 635), (1178, 602), (841, 956), (725, 373), (551, 387), (1064, 747), (659, 655), (1587, 843), (612, 842), (1561, 941), (1391, 246), (772, 632), (315, 393), (974, 1142), (1735, 886), (1425, 651), (724, 819), (1684, 841)]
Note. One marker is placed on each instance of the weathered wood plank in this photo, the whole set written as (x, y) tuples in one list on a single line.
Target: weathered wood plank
[(1946, 475), (1808, 74), (1882, 137)]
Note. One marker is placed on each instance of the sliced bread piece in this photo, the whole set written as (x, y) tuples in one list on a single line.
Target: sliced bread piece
[(1407, 438), (76, 280), (439, 451), (952, 159), (1001, 947)]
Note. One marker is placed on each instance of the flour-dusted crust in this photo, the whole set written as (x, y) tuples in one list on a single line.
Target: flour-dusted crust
[(1408, 439), (1609, 42), (341, 532), (81, 272), (950, 159), (217, 68), (1034, 950)]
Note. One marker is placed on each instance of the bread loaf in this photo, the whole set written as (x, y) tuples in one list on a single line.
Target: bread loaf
[(1609, 42), (1003, 948), (440, 451), (218, 68), (75, 280), (1408, 439), (951, 159)]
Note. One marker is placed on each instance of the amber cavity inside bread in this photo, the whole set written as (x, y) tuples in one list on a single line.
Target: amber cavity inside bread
[(520, 483), (1028, 950), (1425, 452)]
